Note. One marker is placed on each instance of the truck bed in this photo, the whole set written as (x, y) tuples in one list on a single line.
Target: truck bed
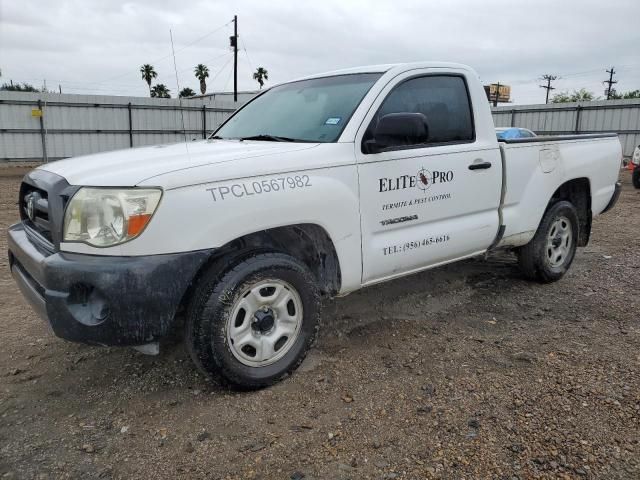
[(534, 167)]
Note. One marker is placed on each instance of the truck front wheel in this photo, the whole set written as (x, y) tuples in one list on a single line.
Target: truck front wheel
[(548, 256), (253, 324)]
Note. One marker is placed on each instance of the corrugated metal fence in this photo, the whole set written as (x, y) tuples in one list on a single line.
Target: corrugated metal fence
[(73, 125), (46, 127), (620, 116)]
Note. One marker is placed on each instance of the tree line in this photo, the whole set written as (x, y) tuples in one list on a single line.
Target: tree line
[(584, 95), (201, 72), (149, 73), (261, 74)]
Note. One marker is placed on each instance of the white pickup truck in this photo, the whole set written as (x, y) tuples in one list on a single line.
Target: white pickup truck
[(316, 187)]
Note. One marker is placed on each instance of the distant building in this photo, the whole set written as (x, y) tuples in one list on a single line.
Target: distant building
[(222, 99)]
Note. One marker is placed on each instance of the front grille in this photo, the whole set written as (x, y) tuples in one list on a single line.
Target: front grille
[(34, 211), (43, 197)]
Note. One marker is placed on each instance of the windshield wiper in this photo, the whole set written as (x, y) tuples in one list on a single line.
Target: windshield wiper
[(271, 138)]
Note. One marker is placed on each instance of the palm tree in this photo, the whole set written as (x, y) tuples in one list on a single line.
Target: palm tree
[(260, 75), (148, 73), (160, 90), (187, 92), (202, 72)]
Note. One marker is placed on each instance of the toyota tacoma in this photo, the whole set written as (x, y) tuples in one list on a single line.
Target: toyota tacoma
[(317, 187)]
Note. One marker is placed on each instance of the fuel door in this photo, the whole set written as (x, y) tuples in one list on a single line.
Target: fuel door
[(549, 158)]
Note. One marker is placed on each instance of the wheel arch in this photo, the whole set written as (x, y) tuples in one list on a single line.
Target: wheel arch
[(578, 192), (307, 242)]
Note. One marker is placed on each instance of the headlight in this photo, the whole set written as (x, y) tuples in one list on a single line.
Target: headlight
[(104, 217)]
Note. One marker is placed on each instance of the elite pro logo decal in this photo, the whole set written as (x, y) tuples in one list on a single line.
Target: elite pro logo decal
[(423, 180), (424, 176)]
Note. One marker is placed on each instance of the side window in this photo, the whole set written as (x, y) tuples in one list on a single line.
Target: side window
[(526, 134), (442, 99)]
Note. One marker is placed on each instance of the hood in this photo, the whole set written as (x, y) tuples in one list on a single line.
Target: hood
[(155, 164)]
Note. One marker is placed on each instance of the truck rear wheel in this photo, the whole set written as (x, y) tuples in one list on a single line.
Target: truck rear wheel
[(548, 256), (253, 325)]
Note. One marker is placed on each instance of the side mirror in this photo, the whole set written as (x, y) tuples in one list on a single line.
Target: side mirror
[(398, 129)]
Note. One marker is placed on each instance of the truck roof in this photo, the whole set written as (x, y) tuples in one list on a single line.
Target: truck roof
[(383, 68)]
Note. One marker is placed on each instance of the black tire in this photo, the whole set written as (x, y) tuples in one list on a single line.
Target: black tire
[(635, 177), (533, 258), (211, 306)]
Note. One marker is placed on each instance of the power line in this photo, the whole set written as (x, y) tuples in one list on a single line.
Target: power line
[(548, 87), (579, 74), (587, 72), (160, 59), (220, 71), (610, 90), (116, 88), (211, 79), (244, 47), (194, 42), (206, 61), (563, 76), (203, 37)]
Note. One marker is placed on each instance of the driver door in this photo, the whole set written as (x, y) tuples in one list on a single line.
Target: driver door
[(431, 202)]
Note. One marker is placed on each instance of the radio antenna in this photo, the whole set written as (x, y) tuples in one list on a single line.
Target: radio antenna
[(175, 68)]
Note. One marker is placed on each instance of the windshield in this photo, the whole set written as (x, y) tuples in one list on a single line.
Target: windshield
[(314, 110)]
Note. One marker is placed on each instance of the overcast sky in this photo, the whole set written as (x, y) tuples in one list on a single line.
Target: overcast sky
[(97, 46)]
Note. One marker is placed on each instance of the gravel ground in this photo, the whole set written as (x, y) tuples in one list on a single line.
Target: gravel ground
[(464, 372)]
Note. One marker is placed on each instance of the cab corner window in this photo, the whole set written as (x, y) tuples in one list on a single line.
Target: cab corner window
[(422, 111)]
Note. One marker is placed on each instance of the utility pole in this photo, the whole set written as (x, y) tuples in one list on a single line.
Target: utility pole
[(234, 45), (548, 87), (495, 99), (610, 90)]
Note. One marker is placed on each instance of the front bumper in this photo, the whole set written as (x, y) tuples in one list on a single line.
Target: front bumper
[(99, 299)]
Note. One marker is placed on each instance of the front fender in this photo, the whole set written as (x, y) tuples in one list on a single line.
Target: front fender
[(211, 215)]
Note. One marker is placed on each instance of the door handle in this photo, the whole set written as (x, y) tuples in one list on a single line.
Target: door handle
[(479, 165)]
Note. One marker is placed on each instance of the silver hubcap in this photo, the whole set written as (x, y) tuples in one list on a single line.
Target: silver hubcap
[(264, 323), (559, 241)]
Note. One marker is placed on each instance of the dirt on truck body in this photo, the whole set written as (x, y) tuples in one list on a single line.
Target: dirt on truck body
[(468, 371)]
